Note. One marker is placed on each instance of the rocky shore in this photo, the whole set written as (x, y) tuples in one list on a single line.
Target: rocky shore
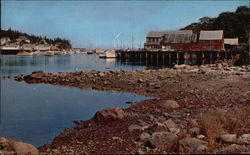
[(196, 109)]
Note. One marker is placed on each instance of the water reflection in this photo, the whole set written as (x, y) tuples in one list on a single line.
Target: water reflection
[(36, 113)]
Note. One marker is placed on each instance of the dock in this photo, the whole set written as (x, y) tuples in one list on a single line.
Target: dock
[(170, 58)]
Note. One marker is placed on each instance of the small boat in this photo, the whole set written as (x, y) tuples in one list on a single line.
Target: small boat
[(102, 55), (90, 52), (24, 54), (111, 54)]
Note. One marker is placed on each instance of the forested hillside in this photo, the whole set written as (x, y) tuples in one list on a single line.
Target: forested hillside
[(234, 24), (14, 34)]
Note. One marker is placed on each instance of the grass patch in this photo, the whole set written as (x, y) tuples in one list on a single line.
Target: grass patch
[(216, 122)]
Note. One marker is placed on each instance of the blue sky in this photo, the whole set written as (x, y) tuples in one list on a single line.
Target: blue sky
[(93, 24)]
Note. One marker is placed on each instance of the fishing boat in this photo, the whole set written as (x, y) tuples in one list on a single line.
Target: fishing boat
[(110, 54)]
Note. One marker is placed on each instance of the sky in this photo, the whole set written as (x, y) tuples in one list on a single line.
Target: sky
[(107, 24)]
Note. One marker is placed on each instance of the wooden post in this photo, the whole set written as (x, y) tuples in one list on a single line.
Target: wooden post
[(177, 57), (210, 54)]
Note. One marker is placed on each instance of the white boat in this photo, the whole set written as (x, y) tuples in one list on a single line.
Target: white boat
[(102, 55), (110, 54)]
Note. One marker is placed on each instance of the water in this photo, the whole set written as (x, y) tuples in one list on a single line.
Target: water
[(36, 113)]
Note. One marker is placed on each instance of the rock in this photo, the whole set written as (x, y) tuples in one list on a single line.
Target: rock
[(191, 145), (160, 138), (157, 127), (101, 74), (171, 126), (9, 146), (201, 136), (228, 138), (106, 83), (150, 84), (110, 114), (194, 131), (234, 149), (183, 66), (244, 139), (143, 137), (192, 122), (168, 104), (140, 81), (135, 127)]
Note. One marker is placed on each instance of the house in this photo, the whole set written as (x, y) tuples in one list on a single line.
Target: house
[(23, 39), (153, 39), (28, 47), (42, 47), (231, 43), (178, 40), (11, 46), (5, 40), (212, 40)]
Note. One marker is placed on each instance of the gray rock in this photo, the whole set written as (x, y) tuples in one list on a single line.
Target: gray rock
[(101, 74), (234, 149), (160, 138), (194, 131), (134, 127), (168, 104), (191, 145), (244, 139), (228, 138), (140, 81), (171, 126), (9, 146), (143, 137), (157, 127)]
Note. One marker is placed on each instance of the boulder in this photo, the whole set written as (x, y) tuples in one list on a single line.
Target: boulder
[(160, 138), (9, 146), (171, 126), (101, 74), (191, 145), (228, 138), (157, 127), (135, 127), (144, 137), (244, 139), (234, 149), (110, 114), (194, 131), (183, 66), (168, 104)]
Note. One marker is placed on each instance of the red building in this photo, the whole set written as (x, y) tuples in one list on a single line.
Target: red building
[(186, 40), (210, 41)]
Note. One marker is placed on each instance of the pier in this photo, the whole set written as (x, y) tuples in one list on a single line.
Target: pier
[(170, 58)]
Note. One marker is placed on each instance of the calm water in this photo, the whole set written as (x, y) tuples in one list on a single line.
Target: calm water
[(36, 113)]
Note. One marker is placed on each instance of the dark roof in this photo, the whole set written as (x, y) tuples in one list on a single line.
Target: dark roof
[(211, 35), (179, 37), (158, 34)]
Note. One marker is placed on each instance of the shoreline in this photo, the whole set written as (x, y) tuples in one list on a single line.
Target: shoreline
[(165, 124)]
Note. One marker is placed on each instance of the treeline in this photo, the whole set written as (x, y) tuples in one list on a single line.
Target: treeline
[(235, 24), (14, 34)]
